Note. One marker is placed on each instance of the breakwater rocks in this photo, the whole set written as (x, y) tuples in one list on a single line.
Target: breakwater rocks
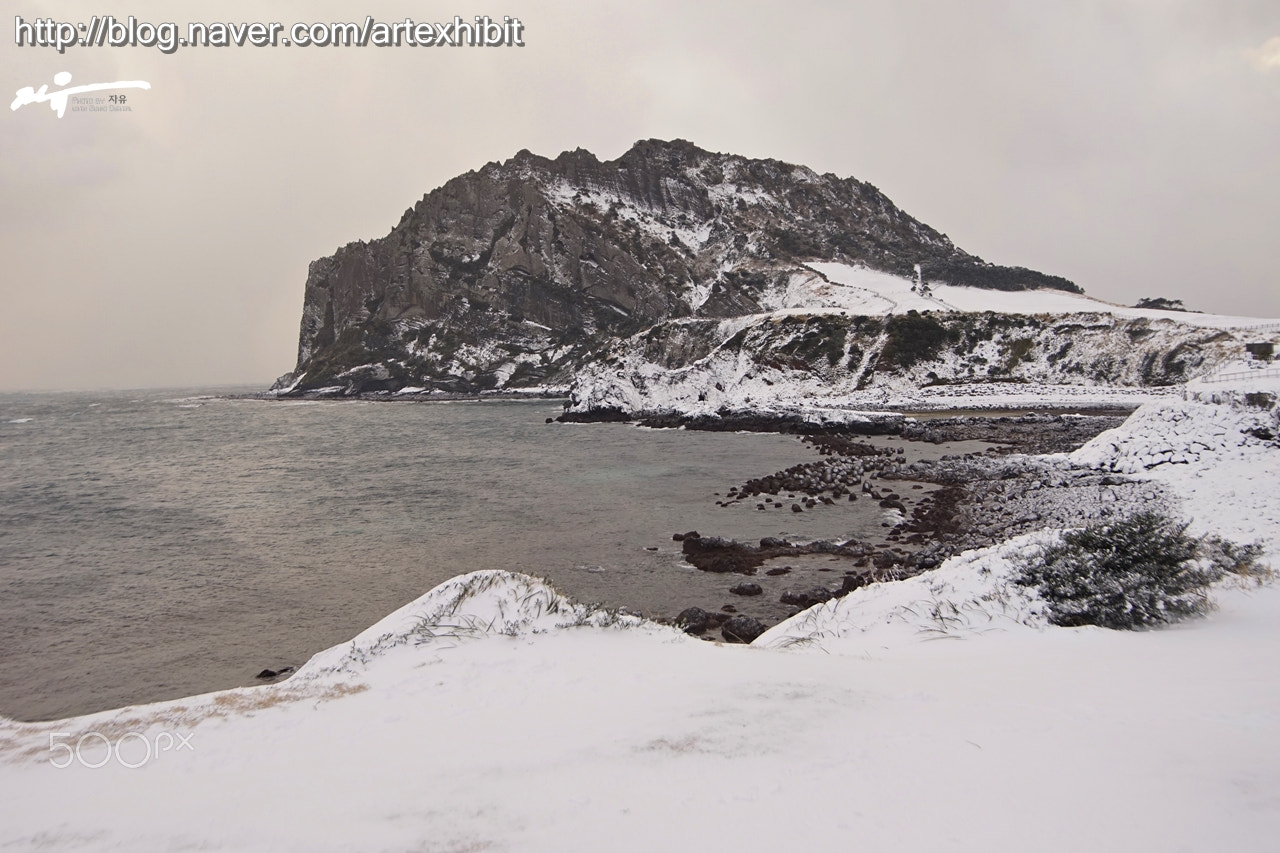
[(1181, 433)]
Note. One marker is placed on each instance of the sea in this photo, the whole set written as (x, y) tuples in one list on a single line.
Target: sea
[(162, 544)]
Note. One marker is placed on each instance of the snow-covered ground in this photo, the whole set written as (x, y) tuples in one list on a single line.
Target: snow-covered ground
[(936, 713), (1065, 350), (861, 290)]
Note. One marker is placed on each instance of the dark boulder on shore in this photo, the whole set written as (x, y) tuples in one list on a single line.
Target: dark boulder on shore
[(692, 620), (742, 629), (716, 554), (885, 560), (852, 582), (806, 599), (747, 588)]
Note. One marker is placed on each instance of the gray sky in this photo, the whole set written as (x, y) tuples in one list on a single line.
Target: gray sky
[(1133, 147)]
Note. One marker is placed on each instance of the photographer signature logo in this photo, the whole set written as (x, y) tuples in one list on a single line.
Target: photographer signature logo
[(58, 100)]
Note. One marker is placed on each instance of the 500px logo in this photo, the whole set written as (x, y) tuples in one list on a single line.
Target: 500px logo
[(131, 749)]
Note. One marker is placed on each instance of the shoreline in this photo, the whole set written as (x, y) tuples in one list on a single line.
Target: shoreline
[(867, 420), (933, 511)]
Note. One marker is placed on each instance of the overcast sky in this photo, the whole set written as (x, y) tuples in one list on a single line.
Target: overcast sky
[(1133, 147)]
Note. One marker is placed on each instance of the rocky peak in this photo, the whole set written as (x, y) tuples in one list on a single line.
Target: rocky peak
[(522, 272)]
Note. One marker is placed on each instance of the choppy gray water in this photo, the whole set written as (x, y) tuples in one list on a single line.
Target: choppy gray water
[(156, 545)]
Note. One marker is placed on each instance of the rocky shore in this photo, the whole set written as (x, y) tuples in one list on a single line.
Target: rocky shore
[(933, 509)]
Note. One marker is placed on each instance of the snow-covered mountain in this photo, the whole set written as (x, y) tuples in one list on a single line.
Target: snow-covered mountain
[(678, 281), (521, 273)]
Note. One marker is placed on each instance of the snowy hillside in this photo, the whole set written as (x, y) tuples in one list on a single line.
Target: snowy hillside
[(872, 292), (846, 338)]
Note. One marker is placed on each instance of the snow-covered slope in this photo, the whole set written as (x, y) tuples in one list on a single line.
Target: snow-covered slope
[(968, 595), (844, 338), (863, 285), (1214, 456), (576, 737)]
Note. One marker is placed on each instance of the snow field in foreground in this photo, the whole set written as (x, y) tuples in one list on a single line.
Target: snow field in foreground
[(935, 713)]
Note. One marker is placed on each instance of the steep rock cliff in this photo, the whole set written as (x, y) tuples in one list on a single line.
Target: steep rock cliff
[(521, 273)]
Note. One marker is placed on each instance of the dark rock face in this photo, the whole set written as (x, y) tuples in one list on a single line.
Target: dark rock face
[(520, 273), (746, 588), (852, 582)]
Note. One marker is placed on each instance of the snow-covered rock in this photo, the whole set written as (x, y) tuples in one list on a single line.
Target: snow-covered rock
[(469, 606), (969, 594), (1172, 433)]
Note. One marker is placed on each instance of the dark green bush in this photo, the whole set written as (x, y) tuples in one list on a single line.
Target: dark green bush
[(911, 338), (1132, 573)]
